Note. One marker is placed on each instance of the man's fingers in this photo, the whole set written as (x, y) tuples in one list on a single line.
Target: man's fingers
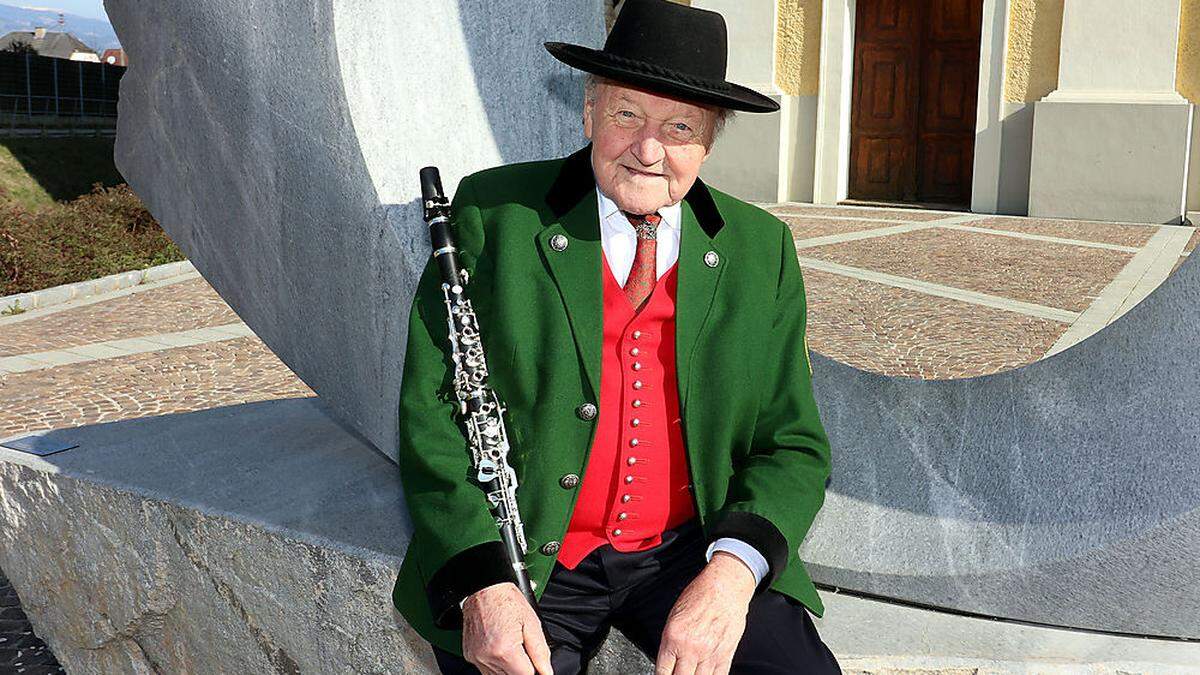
[(513, 662), (536, 647), (714, 667), (684, 666), (664, 664)]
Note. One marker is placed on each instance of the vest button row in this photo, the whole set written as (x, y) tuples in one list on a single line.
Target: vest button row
[(569, 481), (586, 411), (550, 547)]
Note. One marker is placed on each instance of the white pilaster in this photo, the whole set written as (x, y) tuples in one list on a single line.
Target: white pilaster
[(1112, 142)]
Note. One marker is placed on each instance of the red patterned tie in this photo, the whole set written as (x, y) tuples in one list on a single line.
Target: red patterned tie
[(642, 274)]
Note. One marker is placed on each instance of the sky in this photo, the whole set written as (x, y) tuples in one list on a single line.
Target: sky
[(93, 9)]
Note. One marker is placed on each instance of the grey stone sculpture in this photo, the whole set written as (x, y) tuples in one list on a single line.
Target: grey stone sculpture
[(278, 143), (1066, 492)]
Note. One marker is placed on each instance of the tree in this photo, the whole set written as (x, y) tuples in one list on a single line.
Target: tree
[(19, 46)]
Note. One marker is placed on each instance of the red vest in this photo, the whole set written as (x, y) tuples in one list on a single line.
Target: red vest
[(636, 482)]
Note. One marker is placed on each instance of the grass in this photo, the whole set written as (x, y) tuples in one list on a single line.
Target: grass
[(37, 172), (66, 215)]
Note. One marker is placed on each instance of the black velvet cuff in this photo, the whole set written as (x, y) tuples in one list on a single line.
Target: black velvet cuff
[(468, 571), (759, 533)]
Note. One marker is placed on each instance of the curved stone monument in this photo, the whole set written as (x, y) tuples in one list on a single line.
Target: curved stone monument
[(278, 143), (1065, 492)]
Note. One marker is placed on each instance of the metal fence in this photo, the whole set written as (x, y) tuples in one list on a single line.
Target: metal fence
[(32, 85)]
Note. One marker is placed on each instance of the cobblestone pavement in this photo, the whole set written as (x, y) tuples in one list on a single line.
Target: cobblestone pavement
[(902, 292), (20, 650)]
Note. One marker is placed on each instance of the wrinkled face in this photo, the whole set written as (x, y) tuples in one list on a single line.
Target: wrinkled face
[(646, 149)]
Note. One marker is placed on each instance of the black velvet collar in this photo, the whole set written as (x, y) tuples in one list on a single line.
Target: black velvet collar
[(575, 180)]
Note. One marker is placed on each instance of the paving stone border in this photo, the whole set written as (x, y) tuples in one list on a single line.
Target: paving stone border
[(81, 289)]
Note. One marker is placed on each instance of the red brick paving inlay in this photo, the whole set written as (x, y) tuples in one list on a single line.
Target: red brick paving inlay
[(893, 331), (184, 379), (1055, 275), (906, 215), (183, 305), (1083, 230), (1191, 245), (808, 228)]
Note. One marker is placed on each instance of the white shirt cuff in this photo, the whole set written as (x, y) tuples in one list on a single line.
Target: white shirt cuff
[(745, 552)]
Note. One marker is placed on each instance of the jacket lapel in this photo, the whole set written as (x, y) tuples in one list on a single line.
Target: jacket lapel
[(696, 287), (576, 268)]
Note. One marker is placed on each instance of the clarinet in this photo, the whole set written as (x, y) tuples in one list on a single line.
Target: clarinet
[(479, 406)]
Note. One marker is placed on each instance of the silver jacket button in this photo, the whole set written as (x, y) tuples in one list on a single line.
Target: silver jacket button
[(710, 258), (558, 242), (550, 547), (569, 481), (586, 411)]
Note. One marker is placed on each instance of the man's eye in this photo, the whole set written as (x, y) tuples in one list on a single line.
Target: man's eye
[(682, 127), (625, 113)]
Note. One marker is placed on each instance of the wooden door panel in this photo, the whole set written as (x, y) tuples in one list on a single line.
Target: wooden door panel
[(879, 166), (895, 21), (954, 20), (948, 102), (912, 121), (945, 170), (883, 104)]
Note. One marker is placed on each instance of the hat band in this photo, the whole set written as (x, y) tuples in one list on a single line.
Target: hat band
[(662, 71)]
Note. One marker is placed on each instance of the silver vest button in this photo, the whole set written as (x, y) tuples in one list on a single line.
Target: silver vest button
[(711, 258), (586, 411), (558, 242), (550, 547), (569, 481)]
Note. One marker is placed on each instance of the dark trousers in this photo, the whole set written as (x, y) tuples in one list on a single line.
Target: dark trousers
[(635, 592)]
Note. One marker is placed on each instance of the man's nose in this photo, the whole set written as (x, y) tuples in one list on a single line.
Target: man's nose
[(647, 148)]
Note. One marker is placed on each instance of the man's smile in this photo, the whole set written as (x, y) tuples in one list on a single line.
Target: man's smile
[(638, 172)]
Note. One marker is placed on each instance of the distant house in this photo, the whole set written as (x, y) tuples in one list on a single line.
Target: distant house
[(114, 57), (51, 43)]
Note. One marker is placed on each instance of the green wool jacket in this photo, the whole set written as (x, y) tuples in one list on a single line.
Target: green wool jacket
[(758, 456)]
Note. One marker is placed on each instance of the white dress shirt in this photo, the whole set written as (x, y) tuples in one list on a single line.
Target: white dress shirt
[(619, 241)]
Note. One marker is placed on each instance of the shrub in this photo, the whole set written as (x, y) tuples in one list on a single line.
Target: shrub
[(103, 232)]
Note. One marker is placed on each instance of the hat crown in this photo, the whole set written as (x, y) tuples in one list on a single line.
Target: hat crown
[(686, 39)]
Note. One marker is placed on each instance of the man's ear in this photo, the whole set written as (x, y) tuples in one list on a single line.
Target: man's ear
[(587, 120)]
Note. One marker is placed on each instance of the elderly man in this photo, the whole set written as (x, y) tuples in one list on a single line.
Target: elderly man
[(647, 335)]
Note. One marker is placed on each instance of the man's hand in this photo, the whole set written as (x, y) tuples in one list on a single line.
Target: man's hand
[(502, 634), (707, 621)]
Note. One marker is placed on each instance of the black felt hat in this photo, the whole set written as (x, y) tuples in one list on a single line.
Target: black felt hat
[(668, 48)]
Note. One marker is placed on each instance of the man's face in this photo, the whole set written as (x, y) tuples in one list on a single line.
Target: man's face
[(646, 149)]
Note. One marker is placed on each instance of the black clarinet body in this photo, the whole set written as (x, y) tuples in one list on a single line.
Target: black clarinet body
[(480, 408)]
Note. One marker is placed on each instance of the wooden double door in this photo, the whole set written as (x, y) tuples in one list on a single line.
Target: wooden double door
[(912, 124)]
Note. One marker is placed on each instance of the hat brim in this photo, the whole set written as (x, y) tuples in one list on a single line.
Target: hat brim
[(659, 79)]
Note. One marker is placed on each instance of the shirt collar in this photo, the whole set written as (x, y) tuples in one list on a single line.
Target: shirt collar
[(671, 214)]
